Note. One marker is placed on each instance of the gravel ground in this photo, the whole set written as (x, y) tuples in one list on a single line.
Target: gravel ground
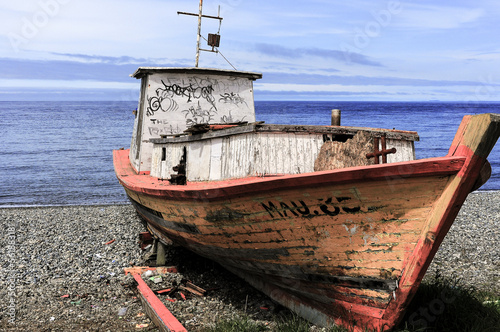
[(470, 252), (67, 278)]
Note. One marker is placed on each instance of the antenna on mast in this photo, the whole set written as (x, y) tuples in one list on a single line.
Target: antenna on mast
[(213, 39)]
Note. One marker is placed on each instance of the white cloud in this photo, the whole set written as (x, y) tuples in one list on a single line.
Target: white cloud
[(62, 84), (91, 26), (374, 92), (437, 17)]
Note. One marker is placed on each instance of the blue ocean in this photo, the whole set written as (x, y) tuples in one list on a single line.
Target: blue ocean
[(60, 153)]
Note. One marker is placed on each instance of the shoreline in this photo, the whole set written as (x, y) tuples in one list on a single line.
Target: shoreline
[(28, 206), (65, 274), (31, 206)]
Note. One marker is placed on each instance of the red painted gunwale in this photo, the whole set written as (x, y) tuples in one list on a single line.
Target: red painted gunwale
[(213, 190)]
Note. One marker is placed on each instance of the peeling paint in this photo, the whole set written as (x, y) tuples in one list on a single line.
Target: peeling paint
[(225, 215), (371, 238), (350, 231)]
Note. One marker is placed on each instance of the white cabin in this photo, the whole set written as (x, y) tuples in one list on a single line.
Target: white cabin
[(173, 99)]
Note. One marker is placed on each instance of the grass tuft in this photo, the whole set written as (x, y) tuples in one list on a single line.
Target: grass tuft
[(239, 324), (439, 305), (442, 305), (292, 323)]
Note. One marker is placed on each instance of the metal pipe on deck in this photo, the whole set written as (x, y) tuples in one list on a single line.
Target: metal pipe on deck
[(335, 117)]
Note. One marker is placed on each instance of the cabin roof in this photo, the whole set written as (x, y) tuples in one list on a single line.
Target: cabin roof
[(305, 129), (143, 71)]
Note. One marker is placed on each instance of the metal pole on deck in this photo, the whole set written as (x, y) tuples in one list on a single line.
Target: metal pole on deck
[(335, 117), (199, 34)]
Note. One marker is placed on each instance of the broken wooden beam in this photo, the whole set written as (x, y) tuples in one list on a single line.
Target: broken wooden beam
[(192, 288), (156, 310), (141, 269)]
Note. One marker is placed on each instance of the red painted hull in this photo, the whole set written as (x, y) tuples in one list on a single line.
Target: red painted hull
[(346, 247)]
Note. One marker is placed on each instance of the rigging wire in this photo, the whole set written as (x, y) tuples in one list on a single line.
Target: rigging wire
[(218, 51)]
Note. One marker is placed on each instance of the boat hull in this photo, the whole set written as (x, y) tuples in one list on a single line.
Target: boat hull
[(339, 245), (345, 247)]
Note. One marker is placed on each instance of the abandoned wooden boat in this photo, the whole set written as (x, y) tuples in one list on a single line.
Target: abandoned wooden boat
[(337, 223)]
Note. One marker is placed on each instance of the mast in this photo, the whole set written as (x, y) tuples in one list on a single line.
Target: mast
[(213, 39), (199, 34)]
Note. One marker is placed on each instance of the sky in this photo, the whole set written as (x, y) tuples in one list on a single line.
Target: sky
[(355, 50)]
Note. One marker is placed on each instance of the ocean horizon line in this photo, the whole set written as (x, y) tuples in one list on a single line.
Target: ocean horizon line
[(265, 100)]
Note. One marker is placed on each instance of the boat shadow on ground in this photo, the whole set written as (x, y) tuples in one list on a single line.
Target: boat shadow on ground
[(441, 305), (236, 295)]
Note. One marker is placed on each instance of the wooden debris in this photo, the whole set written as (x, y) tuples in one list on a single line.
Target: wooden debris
[(181, 291), (156, 310), (145, 239), (193, 289), (142, 269)]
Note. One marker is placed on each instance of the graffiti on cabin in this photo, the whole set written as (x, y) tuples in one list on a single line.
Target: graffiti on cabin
[(195, 100), (158, 131), (232, 98), (191, 91), (229, 118), (159, 127), (196, 115), (166, 95), (157, 103)]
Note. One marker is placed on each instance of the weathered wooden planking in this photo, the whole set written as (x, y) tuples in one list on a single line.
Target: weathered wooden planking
[(198, 160), (215, 165), (156, 310), (474, 140), (239, 156), (405, 150), (254, 154), (232, 257), (330, 131), (343, 241), (173, 155)]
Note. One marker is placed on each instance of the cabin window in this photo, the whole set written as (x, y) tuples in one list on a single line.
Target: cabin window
[(163, 154), (337, 138)]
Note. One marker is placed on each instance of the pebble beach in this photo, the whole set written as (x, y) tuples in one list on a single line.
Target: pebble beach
[(62, 268)]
